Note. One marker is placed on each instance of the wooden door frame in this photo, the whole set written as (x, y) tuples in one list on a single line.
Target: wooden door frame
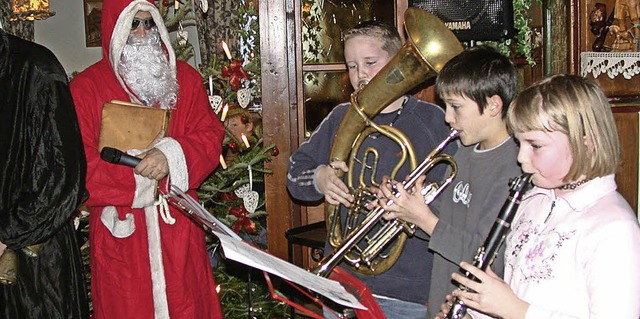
[(279, 107)]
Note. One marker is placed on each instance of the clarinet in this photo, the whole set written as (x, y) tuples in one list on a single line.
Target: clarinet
[(494, 240)]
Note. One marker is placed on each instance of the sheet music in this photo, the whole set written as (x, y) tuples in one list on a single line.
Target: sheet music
[(238, 250)]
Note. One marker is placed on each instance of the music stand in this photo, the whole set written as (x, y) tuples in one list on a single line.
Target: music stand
[(235, 248)]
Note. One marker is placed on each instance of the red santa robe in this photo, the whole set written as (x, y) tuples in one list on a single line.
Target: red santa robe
[(144, 265)]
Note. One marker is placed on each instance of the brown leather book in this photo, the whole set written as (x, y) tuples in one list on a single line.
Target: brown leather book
[(127, 125)]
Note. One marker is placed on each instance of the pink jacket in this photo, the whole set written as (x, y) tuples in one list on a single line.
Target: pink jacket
[(578, 258)]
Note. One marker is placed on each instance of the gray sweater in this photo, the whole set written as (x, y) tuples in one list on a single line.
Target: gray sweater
[(467, 209), (425, 127)]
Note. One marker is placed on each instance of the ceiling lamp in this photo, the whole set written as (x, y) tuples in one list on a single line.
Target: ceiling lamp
[(30, 10)]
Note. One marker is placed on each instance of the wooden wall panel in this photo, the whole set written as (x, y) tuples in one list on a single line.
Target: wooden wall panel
[(627, 176), (279, 118)]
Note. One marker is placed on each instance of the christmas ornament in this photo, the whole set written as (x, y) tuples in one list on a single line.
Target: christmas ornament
[(227, 196), (242, 221), (249, 197), (235, 73), (244, 97), (216, 102), (182, 35)]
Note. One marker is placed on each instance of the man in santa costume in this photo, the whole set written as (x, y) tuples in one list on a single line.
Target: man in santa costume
[(146, 261)]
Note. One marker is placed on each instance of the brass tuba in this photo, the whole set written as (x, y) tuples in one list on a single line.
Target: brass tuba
[(430, 44)]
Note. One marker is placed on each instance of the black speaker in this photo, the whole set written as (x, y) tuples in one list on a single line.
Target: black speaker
[(480, 20)]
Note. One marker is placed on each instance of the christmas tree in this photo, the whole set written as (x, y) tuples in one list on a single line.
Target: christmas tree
[(234, 192)]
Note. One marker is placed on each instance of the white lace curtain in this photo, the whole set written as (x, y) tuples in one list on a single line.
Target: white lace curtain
[(612, 64)]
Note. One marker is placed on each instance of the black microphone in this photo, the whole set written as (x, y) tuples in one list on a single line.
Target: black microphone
[(116, 156)]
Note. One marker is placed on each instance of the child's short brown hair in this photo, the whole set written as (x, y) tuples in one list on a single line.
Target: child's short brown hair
[(479, 73)]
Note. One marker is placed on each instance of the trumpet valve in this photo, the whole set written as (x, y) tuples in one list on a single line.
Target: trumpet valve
[(394, 189), (353, 259), (362, 197), (409, 228), (429, 192)]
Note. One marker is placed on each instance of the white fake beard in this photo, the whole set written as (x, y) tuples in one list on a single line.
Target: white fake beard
[(144, 67)]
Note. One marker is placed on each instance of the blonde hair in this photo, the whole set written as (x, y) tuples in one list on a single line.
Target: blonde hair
[(385, 33), (578, 108)]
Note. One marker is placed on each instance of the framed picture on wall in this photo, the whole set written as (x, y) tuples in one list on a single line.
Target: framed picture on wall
[(92, 14), (608, 46)]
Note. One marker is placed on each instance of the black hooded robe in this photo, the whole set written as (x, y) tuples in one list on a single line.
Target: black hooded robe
[(42, 173)]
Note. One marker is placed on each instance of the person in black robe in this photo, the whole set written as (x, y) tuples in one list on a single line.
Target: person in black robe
[(42, 174)]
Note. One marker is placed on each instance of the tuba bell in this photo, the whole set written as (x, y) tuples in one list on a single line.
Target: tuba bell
[(430, 44)]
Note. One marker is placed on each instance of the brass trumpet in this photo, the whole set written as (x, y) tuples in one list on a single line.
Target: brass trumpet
[(391, 229)]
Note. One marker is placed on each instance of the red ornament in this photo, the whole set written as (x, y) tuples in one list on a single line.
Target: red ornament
[(244, 119), (275, 151), (243, 221), (235, 73), (228, 196), (235, 83), (233, 146), (250, 226)]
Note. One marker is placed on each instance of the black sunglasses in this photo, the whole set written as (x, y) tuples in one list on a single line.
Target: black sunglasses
[(148, 23)]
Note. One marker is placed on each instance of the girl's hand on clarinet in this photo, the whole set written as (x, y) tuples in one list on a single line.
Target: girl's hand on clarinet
[(491, 295)]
